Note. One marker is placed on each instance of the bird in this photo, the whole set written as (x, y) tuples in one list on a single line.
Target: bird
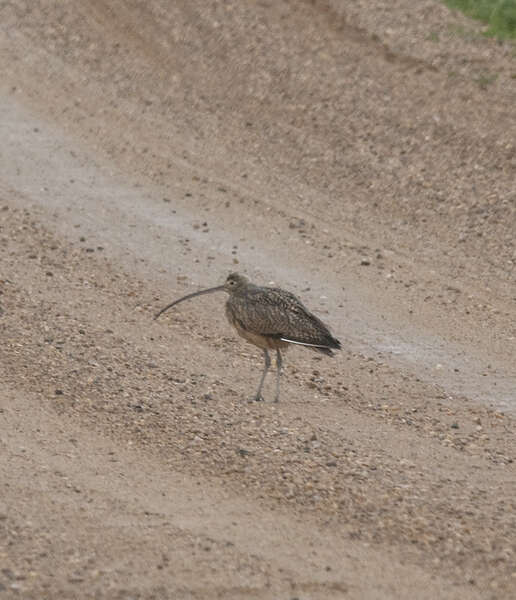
[(270, 318)]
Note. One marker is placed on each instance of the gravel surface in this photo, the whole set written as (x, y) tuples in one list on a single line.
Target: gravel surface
[(360, 155)]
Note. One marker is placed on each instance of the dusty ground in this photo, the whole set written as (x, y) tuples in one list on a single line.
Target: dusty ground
[(360, 154)]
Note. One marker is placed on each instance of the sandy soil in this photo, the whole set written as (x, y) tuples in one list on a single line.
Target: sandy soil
[(361, 155)]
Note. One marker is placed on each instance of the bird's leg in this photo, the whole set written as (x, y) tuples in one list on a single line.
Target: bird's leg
[(267, 358), (278, 374)]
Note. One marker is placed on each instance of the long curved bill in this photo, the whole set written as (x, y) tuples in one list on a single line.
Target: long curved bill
[(219, 288)]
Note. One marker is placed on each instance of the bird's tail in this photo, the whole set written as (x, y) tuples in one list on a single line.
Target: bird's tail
[(325, 346), (326, 351)]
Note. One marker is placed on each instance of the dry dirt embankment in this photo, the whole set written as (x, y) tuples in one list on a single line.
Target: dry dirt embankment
[(367, 162)]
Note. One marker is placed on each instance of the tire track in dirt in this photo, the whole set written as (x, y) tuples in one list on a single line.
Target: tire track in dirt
[(144, 231), (141, 140), (118, 375)]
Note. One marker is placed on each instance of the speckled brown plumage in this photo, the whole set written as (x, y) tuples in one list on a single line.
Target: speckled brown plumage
[(277, 316), (270, 318)]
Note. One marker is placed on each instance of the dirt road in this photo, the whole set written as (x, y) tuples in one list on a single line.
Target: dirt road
[(363, 157)]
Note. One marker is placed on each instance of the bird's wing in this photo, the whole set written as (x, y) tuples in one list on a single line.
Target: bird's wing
[(277, 313)]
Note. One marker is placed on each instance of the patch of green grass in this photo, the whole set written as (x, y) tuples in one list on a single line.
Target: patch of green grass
[(500, 15), (466, 34)]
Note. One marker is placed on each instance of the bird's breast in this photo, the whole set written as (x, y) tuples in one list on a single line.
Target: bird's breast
[(237, 314)]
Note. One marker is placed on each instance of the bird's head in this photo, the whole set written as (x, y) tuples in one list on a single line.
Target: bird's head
[(235, 282)]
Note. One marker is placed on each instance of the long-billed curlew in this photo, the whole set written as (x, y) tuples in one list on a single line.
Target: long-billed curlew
[(271, 319)]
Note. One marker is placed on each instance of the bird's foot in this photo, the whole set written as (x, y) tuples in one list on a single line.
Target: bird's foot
[(256, 398)]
